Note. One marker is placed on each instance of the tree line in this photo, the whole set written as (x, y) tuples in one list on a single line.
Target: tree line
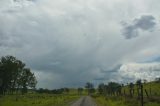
[(112, 88), (54, 91), (14, 76)]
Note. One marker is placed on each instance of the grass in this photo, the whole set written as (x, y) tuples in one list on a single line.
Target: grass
[(121, 101), (153, 100), (38, 100), (65, 99), (154, 86), (110, 101)]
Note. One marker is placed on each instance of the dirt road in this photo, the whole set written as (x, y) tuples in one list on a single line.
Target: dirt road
[(84, 101)]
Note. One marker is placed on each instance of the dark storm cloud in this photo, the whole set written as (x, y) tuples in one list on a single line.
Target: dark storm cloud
[(144, 23)]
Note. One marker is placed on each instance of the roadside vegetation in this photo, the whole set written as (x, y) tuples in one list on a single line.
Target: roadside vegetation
[(129, 95), (18, 88)]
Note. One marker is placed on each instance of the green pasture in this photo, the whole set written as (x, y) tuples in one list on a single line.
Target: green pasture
[(121, 101), (152, 88), (153, 100), (38, 100)]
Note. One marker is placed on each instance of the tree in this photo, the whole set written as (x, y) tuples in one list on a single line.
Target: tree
[(101, 88), (138, 83), (27, 79), (8, 69), (13, 73), (114, 88), (157, 79), (66, 90), (131, 89), (90, 87), (80, 90)]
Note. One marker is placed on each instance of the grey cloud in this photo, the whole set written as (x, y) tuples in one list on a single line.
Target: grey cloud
[(145, 23), (110, 74), (130, 32), (68, 42)]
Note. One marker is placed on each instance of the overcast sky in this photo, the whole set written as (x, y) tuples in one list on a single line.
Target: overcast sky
[(67, 43)]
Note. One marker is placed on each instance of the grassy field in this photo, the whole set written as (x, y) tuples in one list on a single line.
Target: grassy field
[(154, 86), (153, 100), (121, 101), (65, 99), (38, 100)]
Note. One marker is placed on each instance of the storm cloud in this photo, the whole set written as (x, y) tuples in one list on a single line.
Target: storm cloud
[(67, 43), (144, 23)]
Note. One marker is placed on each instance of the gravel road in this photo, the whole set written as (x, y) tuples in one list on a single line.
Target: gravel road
[(84, 101)]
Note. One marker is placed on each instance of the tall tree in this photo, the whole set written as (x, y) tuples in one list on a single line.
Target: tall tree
[(27, 79), (13, 73)]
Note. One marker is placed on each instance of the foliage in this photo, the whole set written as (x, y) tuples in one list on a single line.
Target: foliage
[(153, 89), (90, 88), (54, 91), (101, 88), (112, 88), (14, 75), (127, 100), (80, 90)]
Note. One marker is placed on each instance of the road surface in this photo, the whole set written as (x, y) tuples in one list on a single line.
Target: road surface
[(84, 101)]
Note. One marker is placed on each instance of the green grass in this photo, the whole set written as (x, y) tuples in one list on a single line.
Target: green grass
[(110, 101), (121, 101), (154, 99), (155, 89), (38, 100)]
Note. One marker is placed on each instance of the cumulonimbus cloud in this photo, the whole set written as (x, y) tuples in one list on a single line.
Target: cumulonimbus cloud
[(144, 23)]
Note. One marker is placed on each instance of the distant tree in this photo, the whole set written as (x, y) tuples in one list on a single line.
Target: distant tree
[(54, 91), (157, 79), (145, 81), (92, 90), (89, 86), (66, 90), (138, 83), (101, 88), (80, 90), (131, 89), (114, 88), (40, 90)]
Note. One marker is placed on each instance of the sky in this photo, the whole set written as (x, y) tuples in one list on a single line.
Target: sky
[(67, 43)]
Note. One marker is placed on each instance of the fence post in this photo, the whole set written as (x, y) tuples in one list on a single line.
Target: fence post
[(142, 103)]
